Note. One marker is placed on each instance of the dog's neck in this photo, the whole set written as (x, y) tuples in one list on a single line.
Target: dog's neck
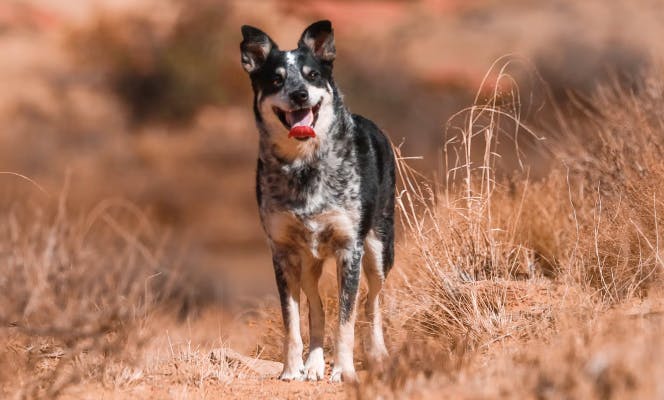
[(290, 154), (298, 182)]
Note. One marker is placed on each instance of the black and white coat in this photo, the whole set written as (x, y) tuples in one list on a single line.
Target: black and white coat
[(329, 196)]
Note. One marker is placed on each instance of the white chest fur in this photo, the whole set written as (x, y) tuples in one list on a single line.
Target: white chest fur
[(321, 234)]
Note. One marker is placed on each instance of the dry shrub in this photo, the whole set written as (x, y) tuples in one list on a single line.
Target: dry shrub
[(163, 71), (614, 158), (466, 250), (73, 289), (612, 356), (509, 261), (615, 358)]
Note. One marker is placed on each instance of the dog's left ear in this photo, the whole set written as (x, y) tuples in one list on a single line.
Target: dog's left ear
[(319, 37)]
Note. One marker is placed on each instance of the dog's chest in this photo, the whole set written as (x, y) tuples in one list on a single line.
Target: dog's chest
[(314, 207), (319, 217), (320, 234)]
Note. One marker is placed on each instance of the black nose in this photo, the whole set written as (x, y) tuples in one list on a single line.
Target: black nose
[(299, 96)]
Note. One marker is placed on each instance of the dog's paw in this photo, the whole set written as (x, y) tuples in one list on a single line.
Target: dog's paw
[(335, 376), (339, 375), (295, 374), (376, 357), (314, 369)]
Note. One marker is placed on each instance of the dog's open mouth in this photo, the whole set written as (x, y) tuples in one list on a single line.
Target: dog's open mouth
[(300, 123)]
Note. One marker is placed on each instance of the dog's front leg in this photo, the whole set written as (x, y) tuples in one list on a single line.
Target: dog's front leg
[(287, 272), (349, 261), (315, 365)]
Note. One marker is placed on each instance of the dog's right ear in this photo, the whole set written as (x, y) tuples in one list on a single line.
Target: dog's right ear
[(319, 38), (255, 47)]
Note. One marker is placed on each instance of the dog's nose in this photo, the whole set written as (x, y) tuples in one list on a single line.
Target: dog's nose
[(299, 96)]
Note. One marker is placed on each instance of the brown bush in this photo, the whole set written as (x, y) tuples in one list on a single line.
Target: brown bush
[(509, 261), (163, 72), (74, 289)]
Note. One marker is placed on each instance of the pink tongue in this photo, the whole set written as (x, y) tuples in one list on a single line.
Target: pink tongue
[(300, 122), (300, 118)]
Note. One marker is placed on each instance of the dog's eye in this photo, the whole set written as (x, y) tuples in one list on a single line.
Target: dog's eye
[(277, 80), (313, 75)]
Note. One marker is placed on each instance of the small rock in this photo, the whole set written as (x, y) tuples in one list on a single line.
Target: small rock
[(263, 368)]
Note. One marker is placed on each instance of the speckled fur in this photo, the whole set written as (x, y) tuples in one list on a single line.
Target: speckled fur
[(328, 196)]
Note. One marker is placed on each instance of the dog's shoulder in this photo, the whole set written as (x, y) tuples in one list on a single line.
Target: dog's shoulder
[(375, 165), (372, 145), (369, 137)]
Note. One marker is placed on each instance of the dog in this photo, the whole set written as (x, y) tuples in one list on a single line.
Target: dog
[(325, 188)]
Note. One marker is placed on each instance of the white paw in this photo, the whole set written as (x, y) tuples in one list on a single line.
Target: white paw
[(314, 369), (339, 375), (377, 356), (292, 374), (335, 376)]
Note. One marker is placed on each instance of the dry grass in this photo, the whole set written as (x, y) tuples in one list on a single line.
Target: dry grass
[(75, 289), (507, 287), (511, 282), (90, 304)]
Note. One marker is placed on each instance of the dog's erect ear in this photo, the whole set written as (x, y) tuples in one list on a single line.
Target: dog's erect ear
[(319, 37), (255, 47)]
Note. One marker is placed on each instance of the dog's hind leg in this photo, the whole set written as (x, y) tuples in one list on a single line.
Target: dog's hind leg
[(374, 270), (348, 276), (287, 272), (314, 368)]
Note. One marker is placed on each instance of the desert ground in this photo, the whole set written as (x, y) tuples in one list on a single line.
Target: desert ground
[(529, 138)]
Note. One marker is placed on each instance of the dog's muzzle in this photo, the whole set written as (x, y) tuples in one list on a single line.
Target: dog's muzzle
[(300, 123)]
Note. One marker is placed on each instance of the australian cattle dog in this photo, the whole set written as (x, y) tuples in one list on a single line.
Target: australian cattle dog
[(325, 189)]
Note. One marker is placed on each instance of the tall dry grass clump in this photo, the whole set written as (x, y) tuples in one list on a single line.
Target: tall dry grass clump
[(616, 168), (506, 262), (466, 243), (73, 288)]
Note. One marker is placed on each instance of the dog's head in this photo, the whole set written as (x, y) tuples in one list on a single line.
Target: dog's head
[(293, 89)]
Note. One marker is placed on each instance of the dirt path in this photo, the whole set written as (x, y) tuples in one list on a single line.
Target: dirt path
[(238, 377), (240, 388)]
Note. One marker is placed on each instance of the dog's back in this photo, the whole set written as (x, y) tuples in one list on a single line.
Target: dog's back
[(376, 168)]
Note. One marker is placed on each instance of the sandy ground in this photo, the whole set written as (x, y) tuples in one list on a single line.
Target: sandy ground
[(238, 389)]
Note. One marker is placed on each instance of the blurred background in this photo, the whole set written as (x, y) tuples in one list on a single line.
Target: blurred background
[(146, 102)]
